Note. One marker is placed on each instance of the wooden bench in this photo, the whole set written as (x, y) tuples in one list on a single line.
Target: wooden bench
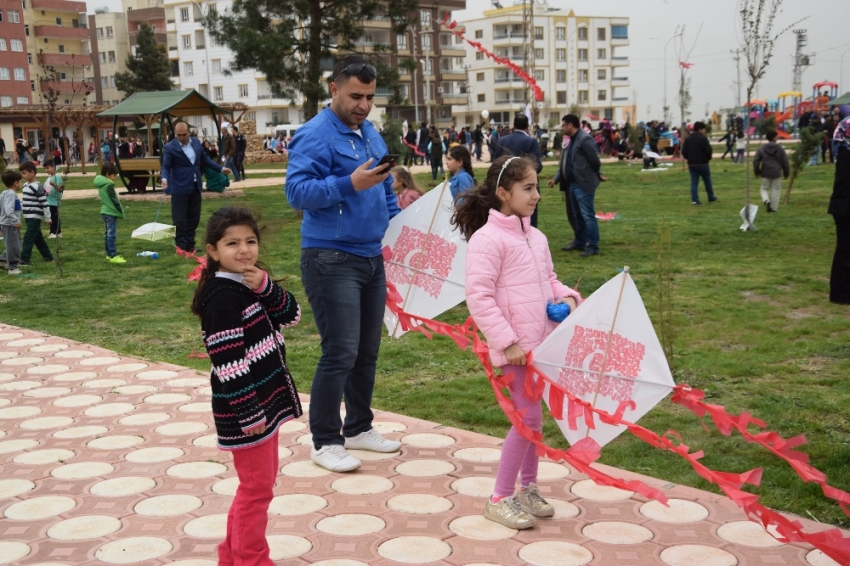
[(136, 172), (140, 164)]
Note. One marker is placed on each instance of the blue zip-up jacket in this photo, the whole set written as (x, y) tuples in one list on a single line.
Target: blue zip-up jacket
[(323, 154)]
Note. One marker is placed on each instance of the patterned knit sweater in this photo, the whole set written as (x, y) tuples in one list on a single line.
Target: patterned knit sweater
[(251, 384)]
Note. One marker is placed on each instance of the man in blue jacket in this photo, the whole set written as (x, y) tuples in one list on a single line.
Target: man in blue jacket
[(182, 179), (347, 204), (521, 144)]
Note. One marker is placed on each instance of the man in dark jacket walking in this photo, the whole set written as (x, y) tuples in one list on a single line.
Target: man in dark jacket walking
[(697, 150), (771, 164), (521, 144)]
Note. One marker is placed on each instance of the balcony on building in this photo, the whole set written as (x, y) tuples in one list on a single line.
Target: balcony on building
[(505, 78), (379, 22), (65, 60), (146, 15), (620, 81), (514, 54), (452, 74), (59, 6), (449, 48), (455, 98), (441, 123), (367, 42), (61, 32), (63, 86), (619, 61), (620, 99), (161, 39), (382, 96), (511, 33)]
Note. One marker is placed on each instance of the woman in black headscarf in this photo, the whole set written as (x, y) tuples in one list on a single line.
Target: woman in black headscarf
[(839, 208)]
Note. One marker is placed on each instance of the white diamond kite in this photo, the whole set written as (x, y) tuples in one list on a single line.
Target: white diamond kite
[(604, 353), (153, 232), (424, 257)]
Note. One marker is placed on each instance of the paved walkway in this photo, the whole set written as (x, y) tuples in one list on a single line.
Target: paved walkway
[(106, 459)]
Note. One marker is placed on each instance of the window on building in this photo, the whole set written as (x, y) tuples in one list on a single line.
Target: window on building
[(479, 56), (479, 77), (401, 41), (275, 117), (560, 76), (602, 95), (4, 73), (102, 57), (538, 32), (601, 54), (243, 91), (539, 74), (538, 54), (582, 34), (252, 116), (404, 71), (63, 77), (2, 44), (601, 74), (109, 32), (427, 67), (601, 34), (187, 41), (175, 67), (482, 98), (425, 18), (26, 30), (23, 100), (111, 56), (404, 91), (582, 55), (14, 17), (188, 69), (17, 45), (5, 101), (619, 32), (216, 66), (218, 93), (426, 42), (184, 14), (479, 34), (59, 22), (99, 33), (560, 33), (75, 23), (104, 82), (561, 97), (200, 39), (582, 97), (582, 75), (29, 58), (32, 86), (1, 15), (61, 48), (560, 55), (112, 81), (20, 74)]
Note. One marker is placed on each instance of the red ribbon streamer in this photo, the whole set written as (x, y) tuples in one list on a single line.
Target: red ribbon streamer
[(518, 71), (584, 453)]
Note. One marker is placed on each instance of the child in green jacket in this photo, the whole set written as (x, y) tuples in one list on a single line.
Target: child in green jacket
[(110, 209)]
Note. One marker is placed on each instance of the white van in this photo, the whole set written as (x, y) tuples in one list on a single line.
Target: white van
[(287, 129)]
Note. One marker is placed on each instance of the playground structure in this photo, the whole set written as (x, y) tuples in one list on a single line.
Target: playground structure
[(824, 98)]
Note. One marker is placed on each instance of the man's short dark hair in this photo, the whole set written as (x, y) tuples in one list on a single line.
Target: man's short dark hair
[(236, 128), (10, 177), (28, 166), (48, 163), (108, 168), (770, 135), (571, 119), (521, 122), (699, 126), (340, 74)]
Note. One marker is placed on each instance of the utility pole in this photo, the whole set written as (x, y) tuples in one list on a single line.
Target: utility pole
[(528, 55), (426, 70), (800, 60), (413, 39), (737, 54)]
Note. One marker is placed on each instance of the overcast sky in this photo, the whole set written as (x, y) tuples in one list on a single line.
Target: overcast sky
[(713, 73)]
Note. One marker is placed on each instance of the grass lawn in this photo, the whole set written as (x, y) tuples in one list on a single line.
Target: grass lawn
[(753, 326)]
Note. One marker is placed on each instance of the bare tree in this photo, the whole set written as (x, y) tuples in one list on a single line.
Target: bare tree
[(683, 54), (757, 42)]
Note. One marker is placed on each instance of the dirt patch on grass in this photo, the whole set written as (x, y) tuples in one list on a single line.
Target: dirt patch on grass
[(753, 296), (799, 314)]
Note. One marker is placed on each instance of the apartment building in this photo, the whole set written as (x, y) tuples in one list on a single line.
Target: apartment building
[(110, 46), (150, 11), (57, 36), (579, 61), (14, 64)]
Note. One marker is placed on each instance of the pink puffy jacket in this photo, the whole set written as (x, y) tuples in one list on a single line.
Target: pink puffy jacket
[(509, 281)]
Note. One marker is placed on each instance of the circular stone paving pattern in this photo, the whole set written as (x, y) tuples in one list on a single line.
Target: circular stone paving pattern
[(46, 422), (44, 392), (351, 524), (617, 532), (194, 470), (158, 374), (304, 469), (419, 504), (25, 342), (691, 554), (115, 442), (22, 385), (152, 455), (284, 547), (587, 489), (168, 505), (84, 528), (228, 487), (428, 440), (678, 511), (208, 526), (18, 412), (73, 354), (41, 457), (121, 487), (288, 426), (47, 369), (49, 348), (82, 470), (133, 549), (9, 446), (38, 508), (296, 504), (480, 455), (556, 553), (818, 558), (478, 527), (200, 408), (188, 382), (475, 486), (207, 441), (180, 428), (362, 485), (167, 398), (563, 509), (109, 410), (10, 551), (135, 389), (80, 432), (104, 383), (14, 487), (75, 376), (425, 468), (99, 361), (121, 368), (414, 549), (747, 533), (77, 400), (144, 419)]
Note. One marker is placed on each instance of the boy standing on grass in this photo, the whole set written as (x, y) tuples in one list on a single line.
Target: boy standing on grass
[(110, 209), (34, 206), (54, 186), (771, 164), (10, 220)]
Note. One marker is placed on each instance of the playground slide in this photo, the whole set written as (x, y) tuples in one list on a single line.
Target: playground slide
[(783, 135)]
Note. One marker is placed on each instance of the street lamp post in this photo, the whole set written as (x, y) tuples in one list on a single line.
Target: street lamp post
[(415, 83), (206, 47), (841, 71), (666, 108)]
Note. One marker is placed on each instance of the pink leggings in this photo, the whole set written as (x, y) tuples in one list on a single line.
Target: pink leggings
[(519, 454)]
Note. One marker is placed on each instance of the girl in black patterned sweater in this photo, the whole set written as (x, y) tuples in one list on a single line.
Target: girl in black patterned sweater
[(241, 311)]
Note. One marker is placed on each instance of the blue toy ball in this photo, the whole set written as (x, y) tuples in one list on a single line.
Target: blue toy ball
[(557, 312)]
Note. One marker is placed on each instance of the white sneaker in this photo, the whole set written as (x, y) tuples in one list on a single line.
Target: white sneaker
[(14, 272), (334, 457), (51, 237), (372, 440)]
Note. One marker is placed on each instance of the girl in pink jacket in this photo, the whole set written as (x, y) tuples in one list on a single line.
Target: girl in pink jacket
[(405, 187), (510, 282)]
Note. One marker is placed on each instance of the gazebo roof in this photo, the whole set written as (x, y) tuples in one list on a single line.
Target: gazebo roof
[(841, 100), (175, 102)]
